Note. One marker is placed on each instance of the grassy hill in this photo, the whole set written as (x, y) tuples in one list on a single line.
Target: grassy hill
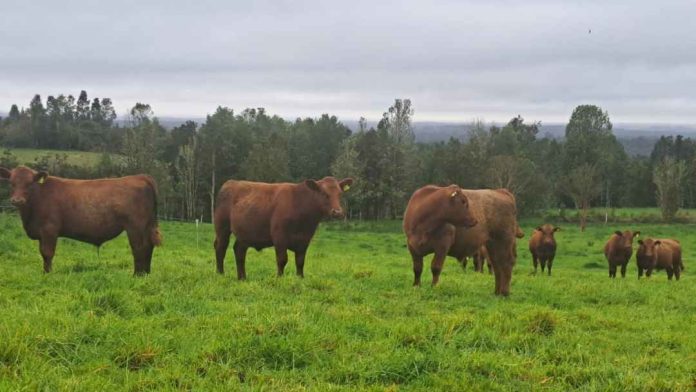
[(78, 158), (354, 322)]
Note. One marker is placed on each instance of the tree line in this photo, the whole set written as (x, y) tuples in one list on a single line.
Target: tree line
[(191, 161)]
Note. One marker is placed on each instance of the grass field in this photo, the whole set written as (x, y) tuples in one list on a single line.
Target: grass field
[(354, 323), (77, 158)]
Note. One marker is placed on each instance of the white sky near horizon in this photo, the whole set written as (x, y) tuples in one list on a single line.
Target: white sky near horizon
[(456, 60)]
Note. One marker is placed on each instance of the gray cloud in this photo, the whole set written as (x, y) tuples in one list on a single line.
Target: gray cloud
[(455, 60)]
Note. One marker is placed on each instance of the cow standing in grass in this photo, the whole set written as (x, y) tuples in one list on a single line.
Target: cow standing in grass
[(450, 221), (284, 216), (92, 211), (659, 254), (542, 245), (618, 251)]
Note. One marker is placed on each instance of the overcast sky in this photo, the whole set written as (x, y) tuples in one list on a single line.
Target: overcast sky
[(456, 60)]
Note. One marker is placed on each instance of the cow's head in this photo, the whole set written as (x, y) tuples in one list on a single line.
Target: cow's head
[(457, 210), (626, 237), (22, 179), (648, 246), (547, 231), (330, 190)]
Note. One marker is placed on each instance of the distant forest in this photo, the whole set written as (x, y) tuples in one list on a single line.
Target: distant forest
[(190, 161)]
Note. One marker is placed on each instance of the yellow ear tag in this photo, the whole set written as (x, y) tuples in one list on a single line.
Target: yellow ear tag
[(346, 187), (453, 194), (42, 180)]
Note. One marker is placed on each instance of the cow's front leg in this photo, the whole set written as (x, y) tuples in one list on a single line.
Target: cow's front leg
[(437, 264), (47, 247)]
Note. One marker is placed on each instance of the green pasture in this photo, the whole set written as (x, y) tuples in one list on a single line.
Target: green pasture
[(77, 158), (354, 323)]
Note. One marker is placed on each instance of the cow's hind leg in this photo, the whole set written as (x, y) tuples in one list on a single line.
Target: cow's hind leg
[(299, 261), (222, 241), (437, 264), (417, 268), (141, 247), (47, 247), (612, 270), (281, 258), (502, 258), (240, 259)]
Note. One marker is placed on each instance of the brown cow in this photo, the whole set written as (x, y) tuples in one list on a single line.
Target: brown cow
[(457, 222), (542, 245), (284, 216), (659, 254), (92, 211), (618, 251), (482, 256)]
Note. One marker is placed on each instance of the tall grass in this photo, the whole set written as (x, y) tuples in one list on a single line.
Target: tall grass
[(353, 323)]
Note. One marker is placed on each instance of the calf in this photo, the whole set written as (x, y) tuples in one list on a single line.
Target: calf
[(618, 251), (542, 245), (659, 254), (450, 221), (92, 211), (284, 216)]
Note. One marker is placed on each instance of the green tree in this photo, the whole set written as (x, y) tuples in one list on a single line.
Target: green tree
[(401, 162), (268, 161), (187, 170), (348, 164), (668, 177), (582, 184), (590, 141)]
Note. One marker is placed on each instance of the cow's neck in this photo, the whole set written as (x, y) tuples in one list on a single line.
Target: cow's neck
[(307, 208), (430, 223)]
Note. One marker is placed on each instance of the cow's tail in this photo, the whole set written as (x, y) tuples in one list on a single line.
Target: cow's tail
[(153, 225)]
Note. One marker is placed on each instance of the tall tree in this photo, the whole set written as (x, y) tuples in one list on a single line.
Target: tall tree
[(187, 170), (668, 178), (401, 160), (37, 113), (582, 184), (82, 109), (268, 160)]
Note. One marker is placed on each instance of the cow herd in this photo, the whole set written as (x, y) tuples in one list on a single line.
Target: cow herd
[(443, 221)]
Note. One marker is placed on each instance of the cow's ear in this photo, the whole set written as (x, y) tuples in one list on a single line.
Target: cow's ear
[(5, 174), (640, 242), (658, 242), (538, 228), (636, 234), (40, 177), (618, 233), (556, 229), (311, 184), (345, 184)]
